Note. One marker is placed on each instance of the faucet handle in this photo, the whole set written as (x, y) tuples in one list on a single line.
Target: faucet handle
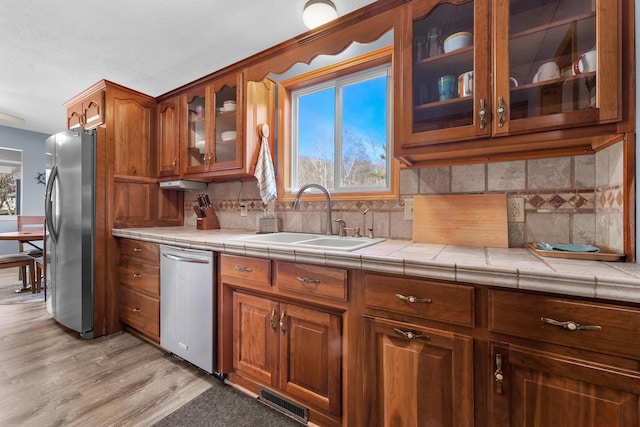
[(342, 225)]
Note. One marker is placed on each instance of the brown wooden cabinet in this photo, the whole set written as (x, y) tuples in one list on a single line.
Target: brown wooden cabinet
[(562, 362), (87, 111), (520, 59), (414, 371), (217, 130), (169, 138), (139, 277), (286, 340)]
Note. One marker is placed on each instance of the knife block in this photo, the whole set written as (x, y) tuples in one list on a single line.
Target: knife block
[(209, 221)]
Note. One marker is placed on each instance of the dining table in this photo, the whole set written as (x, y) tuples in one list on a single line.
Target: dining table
[(27, 237)]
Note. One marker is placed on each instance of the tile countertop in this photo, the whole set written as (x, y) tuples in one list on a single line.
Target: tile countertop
[(517, 268)]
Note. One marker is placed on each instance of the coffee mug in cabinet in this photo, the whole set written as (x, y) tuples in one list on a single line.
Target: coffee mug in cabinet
[(586, 63), (446, 87), (547, 71), (465, 84)]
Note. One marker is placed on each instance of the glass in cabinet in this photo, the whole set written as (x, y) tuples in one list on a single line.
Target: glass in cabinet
[(227, 116), (537, 65), (564, 56), (197, 133), (447, 90)]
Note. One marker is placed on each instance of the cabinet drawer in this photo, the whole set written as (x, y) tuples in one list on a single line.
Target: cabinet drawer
[(312, 280), (422, 298), (138, 250), (140, 312), (522, 315), (252, 269), (142, 277)]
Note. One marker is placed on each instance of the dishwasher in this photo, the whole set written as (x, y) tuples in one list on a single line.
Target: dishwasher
[(187, 305)]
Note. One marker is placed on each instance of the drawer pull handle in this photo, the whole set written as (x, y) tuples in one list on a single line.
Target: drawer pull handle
[(243, 269), (282, 321), (272, 320), (137, 275), (137, 249), (572, 326), (413, 299), (498, 376), (411, 335), (136, 309), (306, 280)]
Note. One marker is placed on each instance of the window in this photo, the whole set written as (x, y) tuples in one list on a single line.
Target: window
[(339, 129), (10, 181)]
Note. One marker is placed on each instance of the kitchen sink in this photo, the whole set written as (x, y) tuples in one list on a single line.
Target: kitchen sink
[(319, 241)]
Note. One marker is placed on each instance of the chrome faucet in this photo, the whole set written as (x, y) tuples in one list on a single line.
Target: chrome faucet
[(296, 204)]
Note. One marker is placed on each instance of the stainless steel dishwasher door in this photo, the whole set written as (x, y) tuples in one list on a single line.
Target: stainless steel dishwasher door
[(187, 304)]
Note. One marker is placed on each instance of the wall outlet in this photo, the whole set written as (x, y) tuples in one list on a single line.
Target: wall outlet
[(408, 210), (515, 209), (243, 209)]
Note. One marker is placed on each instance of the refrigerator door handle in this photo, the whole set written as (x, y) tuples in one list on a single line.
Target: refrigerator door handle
[(48, 204)]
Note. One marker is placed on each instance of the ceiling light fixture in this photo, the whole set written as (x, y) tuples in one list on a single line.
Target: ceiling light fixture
[(10, 118), (318, 12)]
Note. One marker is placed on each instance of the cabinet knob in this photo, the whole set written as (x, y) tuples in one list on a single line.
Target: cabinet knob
[(570, 325), (137, 249), (411, 335), (498, 376), (136, 309), (137, 275), (411, 299), (282, 321), (308, 281), (501, 112)]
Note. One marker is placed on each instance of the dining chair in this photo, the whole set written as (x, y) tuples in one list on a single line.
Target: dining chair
[(32, 223), (23, 261)]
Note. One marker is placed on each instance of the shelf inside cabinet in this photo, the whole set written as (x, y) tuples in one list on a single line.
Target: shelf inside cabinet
[(443, 114)]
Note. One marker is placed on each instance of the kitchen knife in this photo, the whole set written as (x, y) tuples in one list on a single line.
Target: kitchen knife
[(198, 211), (206, 198)]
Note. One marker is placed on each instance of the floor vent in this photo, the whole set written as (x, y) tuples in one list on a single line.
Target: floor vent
[(283, 405)]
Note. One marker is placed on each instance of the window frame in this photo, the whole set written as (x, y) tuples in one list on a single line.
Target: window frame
[(335, 71)]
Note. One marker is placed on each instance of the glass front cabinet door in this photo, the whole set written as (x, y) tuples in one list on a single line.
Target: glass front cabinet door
[(196, 132), (488, 68), (561, 64), (447, 93), (227, 137)]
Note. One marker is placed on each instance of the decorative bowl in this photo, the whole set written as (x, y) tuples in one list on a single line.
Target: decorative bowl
[(457, 41)]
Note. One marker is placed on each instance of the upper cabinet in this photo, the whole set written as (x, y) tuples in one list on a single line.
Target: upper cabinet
[(88, 111), (477, 70), (168, 138), (219, 122)]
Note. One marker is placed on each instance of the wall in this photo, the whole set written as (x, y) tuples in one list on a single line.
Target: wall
[(32, 145), (567, 200)]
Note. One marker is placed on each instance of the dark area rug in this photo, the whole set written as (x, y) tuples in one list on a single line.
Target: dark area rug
[(222, 406), (8, 294)]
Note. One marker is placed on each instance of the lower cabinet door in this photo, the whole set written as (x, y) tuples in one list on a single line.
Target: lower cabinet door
[(537, 389), (255, 338), (310, 356), (417, 376)]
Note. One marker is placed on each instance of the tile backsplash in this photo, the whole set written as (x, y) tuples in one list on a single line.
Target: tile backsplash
[(575, 199)]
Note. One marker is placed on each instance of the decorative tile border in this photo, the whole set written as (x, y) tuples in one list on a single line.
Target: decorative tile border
[(578, 200)]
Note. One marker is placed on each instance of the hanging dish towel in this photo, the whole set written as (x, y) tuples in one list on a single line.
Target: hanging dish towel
[(265, 174)]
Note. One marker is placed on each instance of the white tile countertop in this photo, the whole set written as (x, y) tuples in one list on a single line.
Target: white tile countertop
[(517, 268)]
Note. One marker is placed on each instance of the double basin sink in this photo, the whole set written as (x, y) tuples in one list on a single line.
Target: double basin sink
[(313, 241)]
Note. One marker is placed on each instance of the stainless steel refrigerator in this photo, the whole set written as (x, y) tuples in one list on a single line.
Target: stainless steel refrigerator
[(70, 219)]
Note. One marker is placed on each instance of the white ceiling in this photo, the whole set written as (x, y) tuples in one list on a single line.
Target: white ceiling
[(51, 50)]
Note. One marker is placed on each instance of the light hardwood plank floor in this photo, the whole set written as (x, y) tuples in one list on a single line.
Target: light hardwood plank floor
[(49, 376)]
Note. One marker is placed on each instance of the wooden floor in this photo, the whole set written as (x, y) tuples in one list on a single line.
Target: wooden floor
[(49, 376)]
